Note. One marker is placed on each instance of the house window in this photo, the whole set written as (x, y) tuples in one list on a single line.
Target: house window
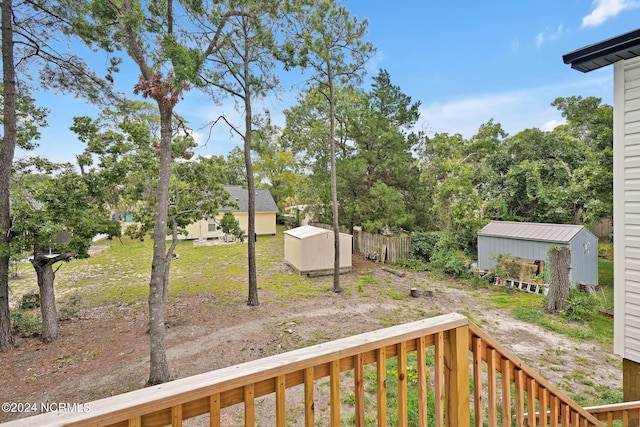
[(212, 226)]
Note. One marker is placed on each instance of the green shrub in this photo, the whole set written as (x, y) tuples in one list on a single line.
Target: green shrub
[(415, 265), (25, 323), (423, 244), (440, 248), (453, 262), (580, 306), (30, 300)]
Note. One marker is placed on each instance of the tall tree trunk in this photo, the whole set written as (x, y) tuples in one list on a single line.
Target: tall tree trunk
[(559, 268), (7, 150), (159, 367), (46, 277), (334, 184), (252, 299), (251, 244)]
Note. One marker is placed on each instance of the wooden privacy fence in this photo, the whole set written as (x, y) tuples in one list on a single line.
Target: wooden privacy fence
[(603, 229), (440, 371), (385, 249)]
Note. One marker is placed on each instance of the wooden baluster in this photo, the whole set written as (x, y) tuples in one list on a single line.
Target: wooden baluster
[(176, 416), (531, 401), (439, 379), (214, 410), (403, 418), (358, 375), (555, 411), (492, 388), (249, 406), (564, 413), (422, 382), (506, 393), (280, 401), (519, 380), (334, 397), (544, 403), (135, 422), (381, 367), (477, 381), (309, 405), (575, 419)]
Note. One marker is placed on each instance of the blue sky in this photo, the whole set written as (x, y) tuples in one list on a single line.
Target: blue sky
[(466, 61)]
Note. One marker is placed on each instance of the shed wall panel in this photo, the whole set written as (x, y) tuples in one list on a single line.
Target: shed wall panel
[(584, 258), (293, 251), (315, 252)]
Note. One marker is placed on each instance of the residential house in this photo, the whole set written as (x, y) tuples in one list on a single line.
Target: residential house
[(266, 210)]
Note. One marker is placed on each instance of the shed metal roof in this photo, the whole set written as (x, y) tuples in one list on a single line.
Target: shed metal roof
[(607, 52), (556, 233)]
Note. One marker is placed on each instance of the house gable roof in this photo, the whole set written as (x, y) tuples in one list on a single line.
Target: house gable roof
[(607, 52), (264, 200), (556, 233)]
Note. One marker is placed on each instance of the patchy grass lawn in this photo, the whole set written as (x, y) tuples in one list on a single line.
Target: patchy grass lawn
[(210, 326), (120, 274)]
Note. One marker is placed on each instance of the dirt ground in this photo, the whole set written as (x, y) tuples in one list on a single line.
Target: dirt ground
[(105, 351)]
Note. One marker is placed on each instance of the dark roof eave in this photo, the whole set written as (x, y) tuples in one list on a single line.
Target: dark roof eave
[(604, 53)]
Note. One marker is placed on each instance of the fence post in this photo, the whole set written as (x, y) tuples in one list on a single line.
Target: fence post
[(456, 360)]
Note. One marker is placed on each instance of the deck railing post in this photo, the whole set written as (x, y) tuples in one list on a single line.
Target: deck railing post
[(457, 377)]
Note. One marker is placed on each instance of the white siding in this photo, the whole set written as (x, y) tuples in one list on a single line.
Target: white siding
[(627, 208)]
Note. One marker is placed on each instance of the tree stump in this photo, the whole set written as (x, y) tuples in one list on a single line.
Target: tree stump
[(559, 267)]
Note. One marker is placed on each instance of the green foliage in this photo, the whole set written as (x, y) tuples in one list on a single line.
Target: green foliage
[(25, 323), (424, 244), (416, 265), (581, 306), (442, 250), (30, 300), (61, 213), (229, 224), (453, 262)]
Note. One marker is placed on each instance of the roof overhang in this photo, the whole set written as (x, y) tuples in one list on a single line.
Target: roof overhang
[(607, 52)]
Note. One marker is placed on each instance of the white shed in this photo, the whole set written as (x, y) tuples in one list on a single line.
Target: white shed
[(310, 249)]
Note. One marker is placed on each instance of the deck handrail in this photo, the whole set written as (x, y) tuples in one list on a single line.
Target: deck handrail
[(624, 412), (556, 407), (444, 380)]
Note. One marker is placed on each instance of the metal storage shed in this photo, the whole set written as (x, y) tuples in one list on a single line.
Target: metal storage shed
[(310, 249), (532, 241)]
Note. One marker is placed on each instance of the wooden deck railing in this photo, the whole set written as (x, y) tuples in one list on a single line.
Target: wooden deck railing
[(428, 362), (510, 389), (620, 414)]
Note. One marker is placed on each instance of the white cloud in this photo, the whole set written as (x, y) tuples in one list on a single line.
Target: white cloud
[(550, 34), (373, 65), (605, 9), (551, 125), (515, 110)]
